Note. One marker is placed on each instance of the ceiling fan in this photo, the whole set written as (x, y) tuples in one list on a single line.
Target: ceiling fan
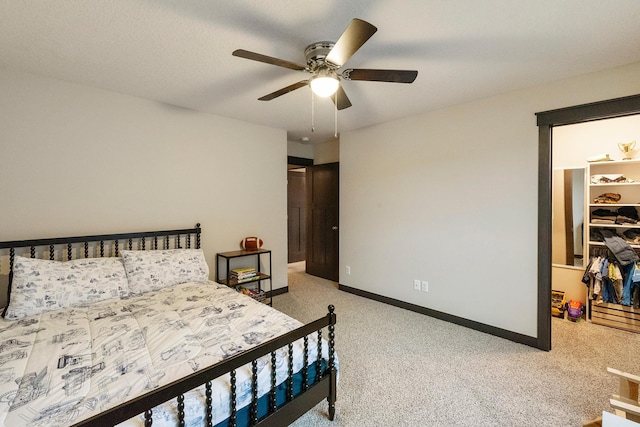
[(323, 61)]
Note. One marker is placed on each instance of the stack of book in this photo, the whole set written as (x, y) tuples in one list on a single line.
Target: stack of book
[(244, 274)]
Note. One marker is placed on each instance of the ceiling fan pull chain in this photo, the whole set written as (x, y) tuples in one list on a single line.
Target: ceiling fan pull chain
[(313, 115), (335, 116)]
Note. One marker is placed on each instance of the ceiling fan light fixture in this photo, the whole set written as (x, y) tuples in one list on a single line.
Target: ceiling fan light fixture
[(325, 83)]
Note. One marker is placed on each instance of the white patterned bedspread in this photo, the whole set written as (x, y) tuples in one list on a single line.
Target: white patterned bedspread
[(63, 366)]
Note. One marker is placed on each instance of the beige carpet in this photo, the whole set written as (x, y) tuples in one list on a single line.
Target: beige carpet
[(399, 368)]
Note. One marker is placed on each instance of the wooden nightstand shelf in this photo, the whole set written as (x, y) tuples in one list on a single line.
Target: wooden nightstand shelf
[(223, 274)]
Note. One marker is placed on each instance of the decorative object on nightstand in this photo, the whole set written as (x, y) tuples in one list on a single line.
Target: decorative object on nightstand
[(246, 279), (627, 148), (251, 243)]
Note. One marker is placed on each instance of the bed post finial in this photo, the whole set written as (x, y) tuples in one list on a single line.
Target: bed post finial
[(332, 329), (12, 256)]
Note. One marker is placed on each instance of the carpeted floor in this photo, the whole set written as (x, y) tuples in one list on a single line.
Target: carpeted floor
[(399, 368)]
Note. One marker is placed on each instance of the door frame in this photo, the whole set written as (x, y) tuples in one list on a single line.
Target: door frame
[(299, 161), (547, 120)]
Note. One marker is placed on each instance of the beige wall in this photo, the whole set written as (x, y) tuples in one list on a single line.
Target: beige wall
[(574, 144), (78, 160), (321, 153), (297, 149), (453, 200), (326, 152)]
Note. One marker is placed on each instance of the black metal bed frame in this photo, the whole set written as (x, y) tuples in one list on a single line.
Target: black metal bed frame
[(324, 384)]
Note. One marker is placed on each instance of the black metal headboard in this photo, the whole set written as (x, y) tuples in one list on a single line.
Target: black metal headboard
[(101, 245)]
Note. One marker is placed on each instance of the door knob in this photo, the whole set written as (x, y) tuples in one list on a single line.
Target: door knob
[(335, 227)]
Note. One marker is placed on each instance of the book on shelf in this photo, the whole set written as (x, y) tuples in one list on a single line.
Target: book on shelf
[(244, 276), (243, 273), (243, 270), (246, 279)]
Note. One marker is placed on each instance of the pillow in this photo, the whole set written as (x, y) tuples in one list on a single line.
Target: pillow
[(40, 285), (156, 269)]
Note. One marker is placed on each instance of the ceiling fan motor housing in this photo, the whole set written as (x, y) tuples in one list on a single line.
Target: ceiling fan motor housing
[(316, 54)]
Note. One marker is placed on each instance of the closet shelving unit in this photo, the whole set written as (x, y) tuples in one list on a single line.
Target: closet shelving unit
[(614, 315)]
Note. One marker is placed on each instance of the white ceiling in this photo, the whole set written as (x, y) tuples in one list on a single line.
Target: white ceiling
[(179, 51)]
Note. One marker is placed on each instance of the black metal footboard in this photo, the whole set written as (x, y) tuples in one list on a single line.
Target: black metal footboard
[(323, 387)]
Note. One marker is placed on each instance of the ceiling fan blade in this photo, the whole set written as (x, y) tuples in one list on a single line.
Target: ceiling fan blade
[(341, 99), (267, 59), (284, 90), (356, 34), (393, 76)]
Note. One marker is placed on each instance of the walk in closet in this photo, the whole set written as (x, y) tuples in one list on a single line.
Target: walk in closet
[(606, 203)]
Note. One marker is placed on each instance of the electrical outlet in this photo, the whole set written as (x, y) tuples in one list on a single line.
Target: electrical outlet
[(425, 286), (416, 284), (348, 269)]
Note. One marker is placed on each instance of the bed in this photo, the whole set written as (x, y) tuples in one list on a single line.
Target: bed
[(126, 329)]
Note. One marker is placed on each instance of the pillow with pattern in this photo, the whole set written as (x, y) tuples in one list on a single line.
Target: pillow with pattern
[(151, 270), (40, 285)]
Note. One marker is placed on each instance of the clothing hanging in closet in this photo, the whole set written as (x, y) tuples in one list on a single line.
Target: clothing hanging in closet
[(608, 281)]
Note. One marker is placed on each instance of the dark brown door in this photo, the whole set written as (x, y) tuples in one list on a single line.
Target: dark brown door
[(322, 220), (296, 215)]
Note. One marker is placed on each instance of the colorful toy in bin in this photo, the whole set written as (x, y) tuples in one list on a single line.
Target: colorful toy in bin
[(558, 304), (575, 310)]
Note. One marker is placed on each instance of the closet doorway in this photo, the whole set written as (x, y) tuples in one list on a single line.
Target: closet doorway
[(546, 121)]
